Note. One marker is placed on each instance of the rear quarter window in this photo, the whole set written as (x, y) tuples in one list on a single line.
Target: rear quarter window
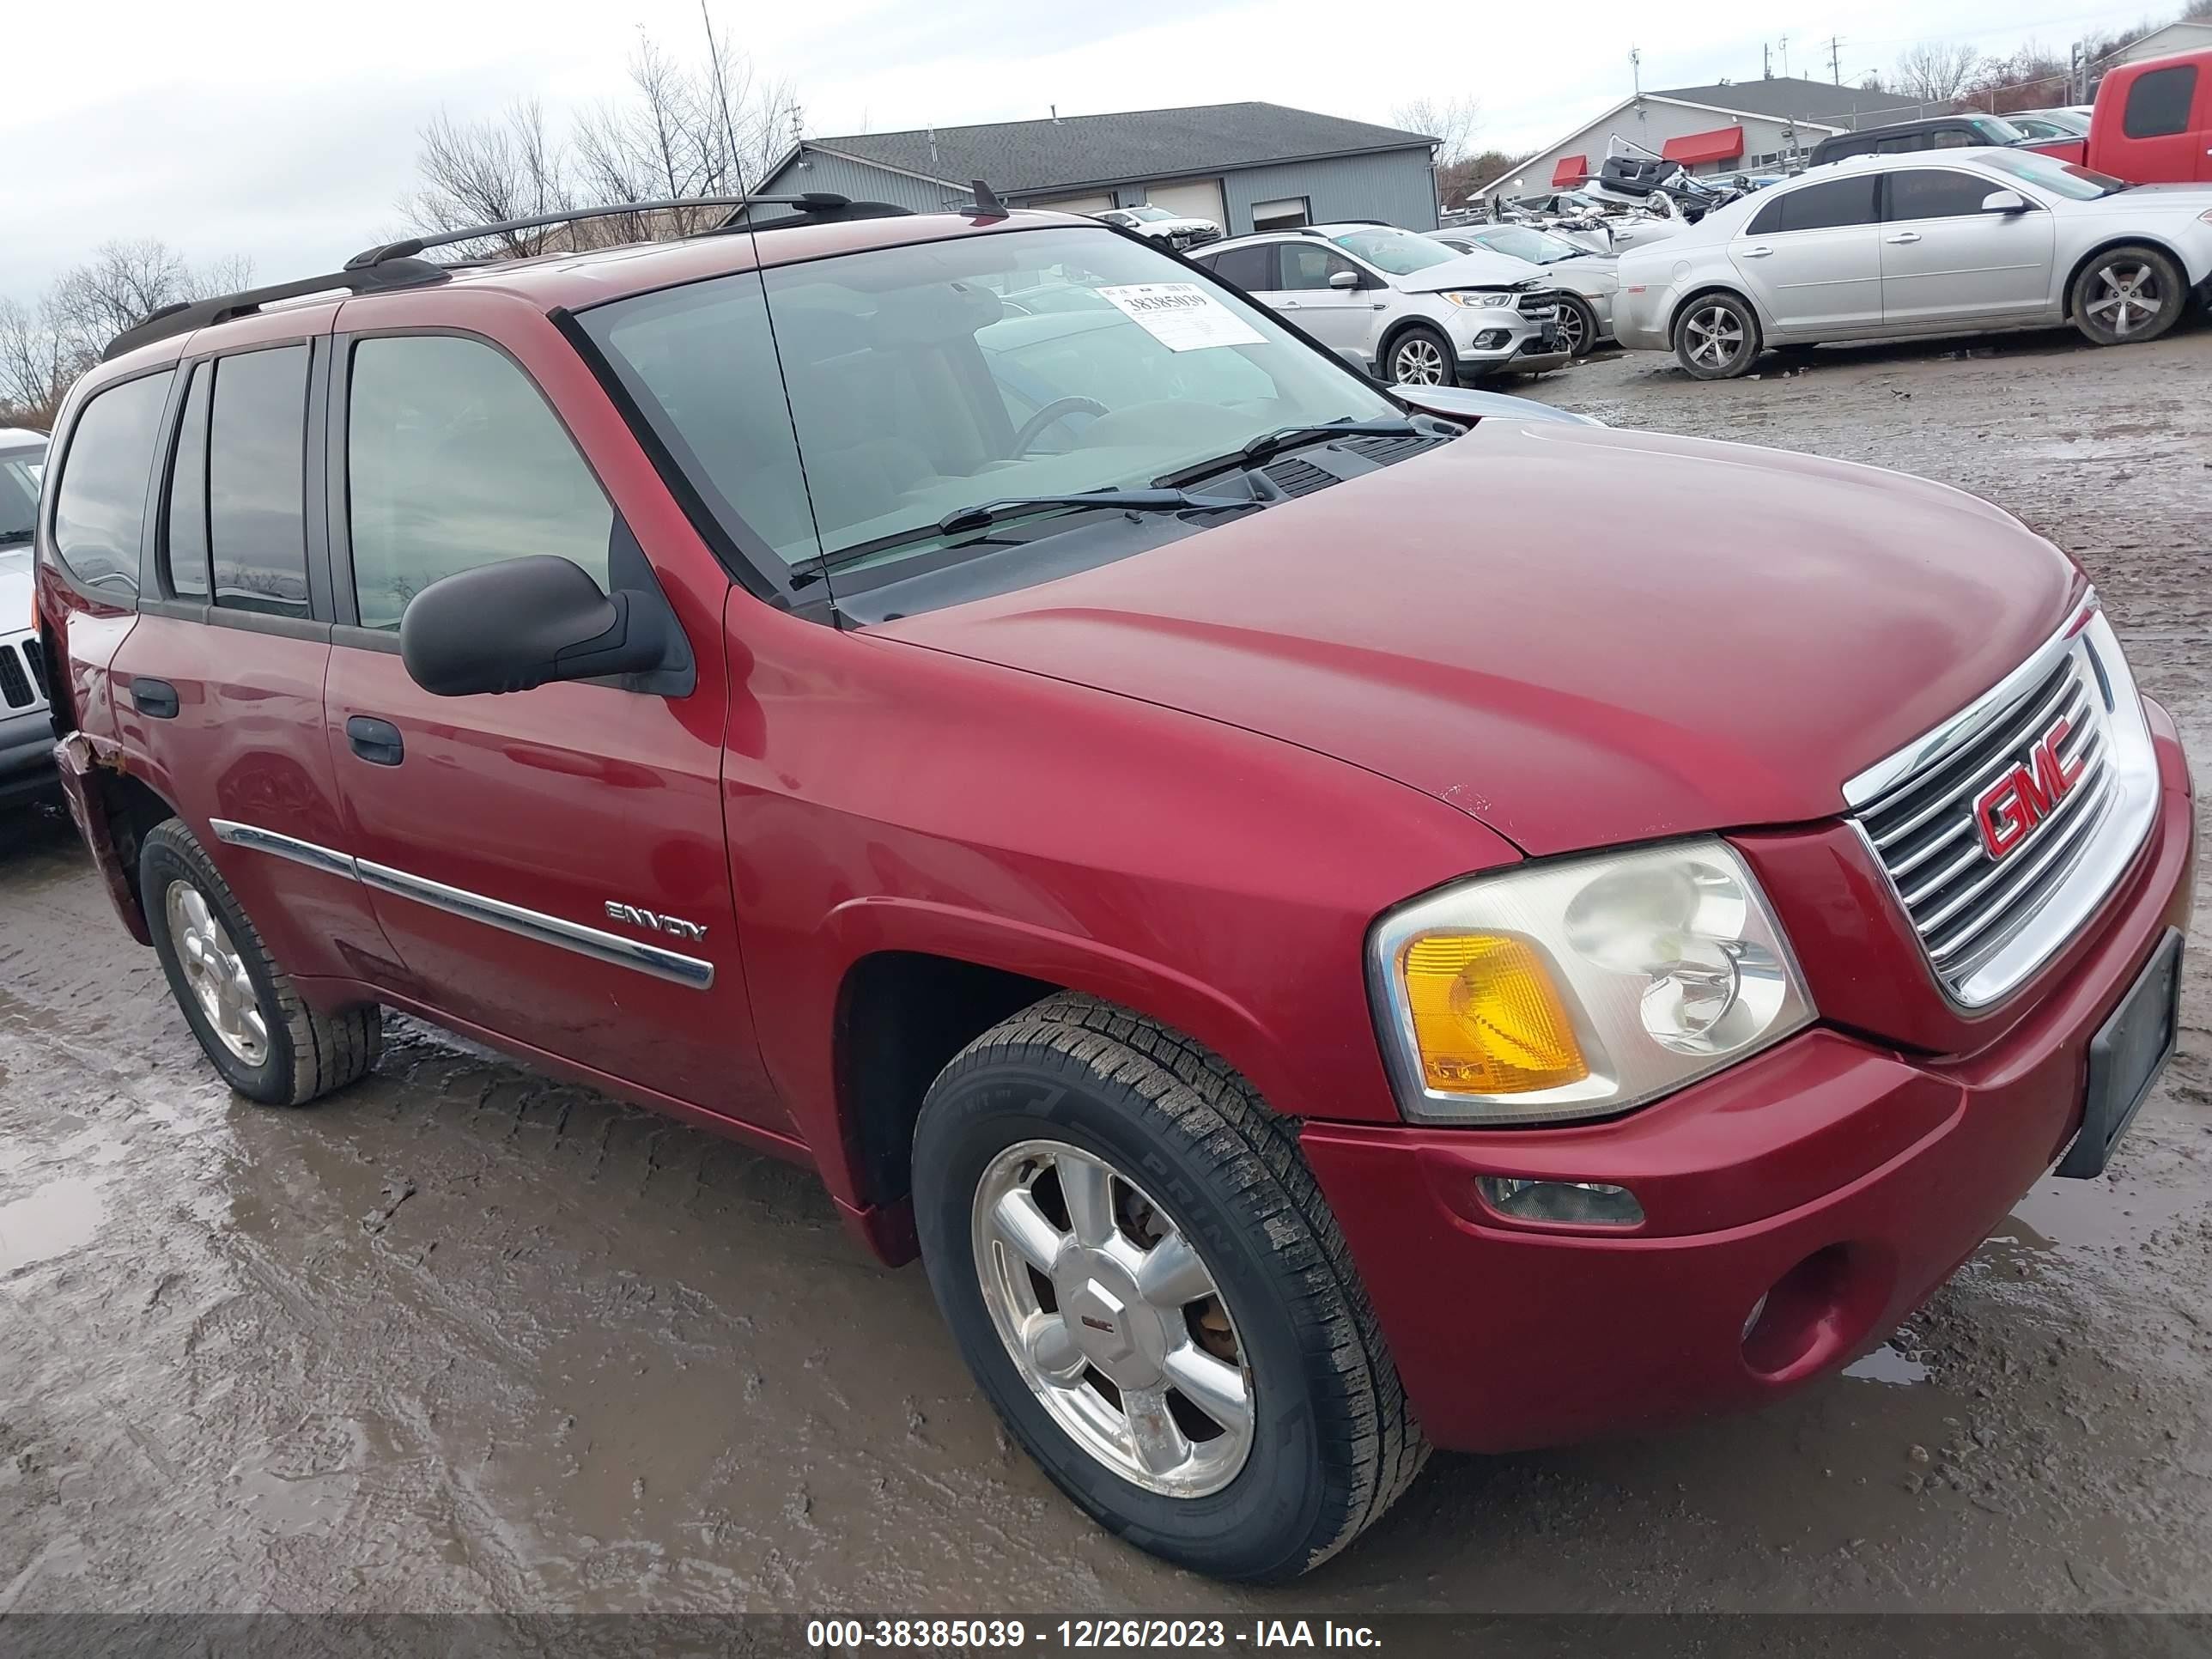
[(99, 504), (2159, 102)]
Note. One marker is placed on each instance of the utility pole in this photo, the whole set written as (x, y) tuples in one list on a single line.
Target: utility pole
[(1785, 56), (1636, 70), (1836, 57), (1765, 61)]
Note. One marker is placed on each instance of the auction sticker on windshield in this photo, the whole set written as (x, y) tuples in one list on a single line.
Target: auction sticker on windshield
[(1181, 316)]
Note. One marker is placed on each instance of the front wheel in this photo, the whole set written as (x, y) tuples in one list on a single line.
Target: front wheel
[(1421, 356), (1577, 325), (1716, 338), (2126, 295), (1149, 1288)]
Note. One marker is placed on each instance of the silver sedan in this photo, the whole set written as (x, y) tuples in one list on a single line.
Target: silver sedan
[(1936, 242)]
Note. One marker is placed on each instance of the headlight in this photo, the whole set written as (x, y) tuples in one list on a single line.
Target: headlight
[(1478, 298), (1580, 988)]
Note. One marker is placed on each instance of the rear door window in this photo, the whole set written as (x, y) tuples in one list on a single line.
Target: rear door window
[(2158, 103), (1252, 269), (99, 509), (256, 479), (1819, 207), (184, 546)]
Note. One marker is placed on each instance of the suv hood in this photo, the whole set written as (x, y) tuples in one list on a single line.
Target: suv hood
[(1577, 635), (1482, 269)]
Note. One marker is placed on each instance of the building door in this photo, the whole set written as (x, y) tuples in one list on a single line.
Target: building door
[(1288, 214), (1194, 198), (1097, 203)]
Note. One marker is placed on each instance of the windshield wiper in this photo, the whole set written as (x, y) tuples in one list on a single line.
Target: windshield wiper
[(983, 514), (1269, 445)]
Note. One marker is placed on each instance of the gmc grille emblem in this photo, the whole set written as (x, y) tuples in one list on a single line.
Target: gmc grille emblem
[(2008, 812)]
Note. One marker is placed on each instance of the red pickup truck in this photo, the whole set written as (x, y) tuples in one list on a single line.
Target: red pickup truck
[(1321, 953), (2152, 123)]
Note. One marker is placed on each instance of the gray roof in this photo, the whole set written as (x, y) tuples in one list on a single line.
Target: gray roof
[(1787, 97), (1091, 149)]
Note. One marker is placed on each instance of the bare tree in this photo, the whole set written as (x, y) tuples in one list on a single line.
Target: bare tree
[(1452, 123), (702, 127), (1935, 72), (2031, 77), (479, 173), (44, 347)]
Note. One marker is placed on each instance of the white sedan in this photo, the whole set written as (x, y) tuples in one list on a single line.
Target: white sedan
[(1936, 242)]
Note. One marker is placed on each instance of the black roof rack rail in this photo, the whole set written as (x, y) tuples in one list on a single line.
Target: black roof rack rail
[(188, 315), (812, 200), (394, 264)]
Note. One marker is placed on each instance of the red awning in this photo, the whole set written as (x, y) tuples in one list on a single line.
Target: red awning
[(1572, 170), (1721, 144)]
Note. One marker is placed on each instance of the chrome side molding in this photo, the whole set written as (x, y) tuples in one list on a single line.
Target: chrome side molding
[(634, 954)]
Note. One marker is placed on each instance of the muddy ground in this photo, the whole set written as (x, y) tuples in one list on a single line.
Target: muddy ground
[(464, 1338)]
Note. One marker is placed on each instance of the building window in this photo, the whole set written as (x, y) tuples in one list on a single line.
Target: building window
[(1286, 215)]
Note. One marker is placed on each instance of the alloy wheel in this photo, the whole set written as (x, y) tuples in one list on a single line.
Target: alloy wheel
[(1570, 329), (2128, 298), (1418, 362), (216, 974), (1715, 335), (1112, 1319)]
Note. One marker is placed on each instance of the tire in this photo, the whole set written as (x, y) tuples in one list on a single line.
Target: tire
[(279, 1051), (1325, 1442), (2108, 298), (1716, 338), (1578, 324), (1418, 351)]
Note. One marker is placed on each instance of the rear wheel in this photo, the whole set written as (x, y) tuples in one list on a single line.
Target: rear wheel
[(266, 1043), (1146, 1281), (1420, 356), (1717, 336), (2126, 295)]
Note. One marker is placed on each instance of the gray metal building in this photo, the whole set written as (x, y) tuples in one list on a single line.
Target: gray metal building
[(1246, 167)]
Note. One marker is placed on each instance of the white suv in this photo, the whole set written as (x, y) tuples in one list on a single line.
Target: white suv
[(1400, 305), (26, 731)]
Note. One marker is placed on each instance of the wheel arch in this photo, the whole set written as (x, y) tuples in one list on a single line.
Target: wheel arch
[(1398, 330), (115, 810), (1706, 291), (2155, 243)]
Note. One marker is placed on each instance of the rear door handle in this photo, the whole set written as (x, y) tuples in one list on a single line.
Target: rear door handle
[(1758, 252), (375, 741), (156, 699), (1904, 236)]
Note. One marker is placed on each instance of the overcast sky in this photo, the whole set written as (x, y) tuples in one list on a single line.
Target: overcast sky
[(287, 131)]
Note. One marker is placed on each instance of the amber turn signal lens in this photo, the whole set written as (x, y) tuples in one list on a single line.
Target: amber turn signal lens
[(1486, 1017)]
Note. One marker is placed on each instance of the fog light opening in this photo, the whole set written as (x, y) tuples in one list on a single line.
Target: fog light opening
[(1815, 1314), (1566, 1203)]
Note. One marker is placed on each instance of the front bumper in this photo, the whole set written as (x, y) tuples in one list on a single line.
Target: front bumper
[(1843, 1180), (1502, 340)]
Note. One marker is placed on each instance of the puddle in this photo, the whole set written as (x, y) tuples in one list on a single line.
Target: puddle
[(53, 1221), (1886, 1364)]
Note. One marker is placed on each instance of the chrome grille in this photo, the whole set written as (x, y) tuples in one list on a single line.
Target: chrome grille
[(1985, 921)]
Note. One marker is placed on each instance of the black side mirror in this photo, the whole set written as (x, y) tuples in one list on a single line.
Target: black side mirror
[(522, 622)]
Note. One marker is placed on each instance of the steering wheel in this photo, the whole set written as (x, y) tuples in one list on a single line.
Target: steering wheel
[(1058, 409)]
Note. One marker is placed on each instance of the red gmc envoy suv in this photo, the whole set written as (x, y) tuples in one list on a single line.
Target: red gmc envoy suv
[(1322, 953)]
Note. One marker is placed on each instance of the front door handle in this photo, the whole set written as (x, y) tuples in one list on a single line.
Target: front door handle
[(1290, 305), (1758, 252), (156, 699), (375, 741), (1904, 236)]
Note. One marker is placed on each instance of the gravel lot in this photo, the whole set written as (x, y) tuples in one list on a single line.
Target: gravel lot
[(465, 1338)]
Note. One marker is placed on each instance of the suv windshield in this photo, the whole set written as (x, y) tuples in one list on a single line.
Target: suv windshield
[(897, 386), (1401, 253), (2076, 184), (18, 494)]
